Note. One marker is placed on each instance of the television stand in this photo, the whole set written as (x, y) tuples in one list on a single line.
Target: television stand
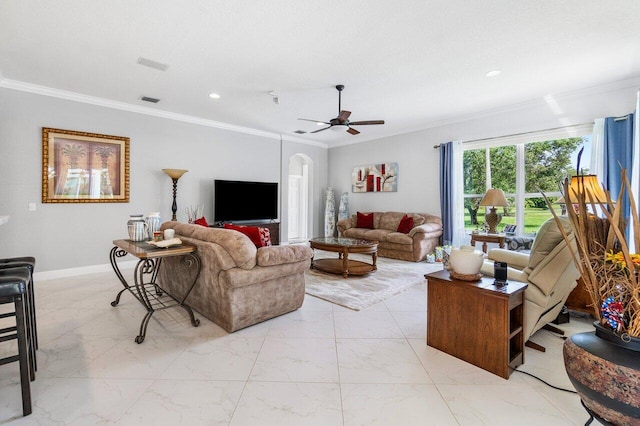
[(274, 228)]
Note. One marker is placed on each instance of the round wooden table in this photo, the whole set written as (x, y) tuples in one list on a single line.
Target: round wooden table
[(344, 246)]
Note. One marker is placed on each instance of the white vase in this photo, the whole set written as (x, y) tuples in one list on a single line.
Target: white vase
[(153, 221), (330, 214), (466, 260), (137, 228), (343, 212)]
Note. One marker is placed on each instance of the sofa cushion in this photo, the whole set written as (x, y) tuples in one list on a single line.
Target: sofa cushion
[(237, 247), (390, 220), (250, 231), (405, 225), (365, 221)]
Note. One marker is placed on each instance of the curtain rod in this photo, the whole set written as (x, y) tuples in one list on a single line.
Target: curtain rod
[(518, 134)]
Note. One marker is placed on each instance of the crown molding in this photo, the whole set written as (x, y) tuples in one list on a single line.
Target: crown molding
[(138, 109)]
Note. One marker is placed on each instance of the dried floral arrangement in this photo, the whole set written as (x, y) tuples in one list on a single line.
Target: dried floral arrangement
[(608, 269)]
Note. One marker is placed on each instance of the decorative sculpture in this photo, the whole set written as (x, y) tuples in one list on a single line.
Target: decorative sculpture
[(343, 212), (330, 214)]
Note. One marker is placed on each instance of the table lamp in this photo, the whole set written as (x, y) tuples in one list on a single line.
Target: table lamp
[(589, 186), (174, 174), (493, 198)]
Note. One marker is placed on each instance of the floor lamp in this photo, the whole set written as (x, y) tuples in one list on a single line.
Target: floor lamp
[(174, 174)]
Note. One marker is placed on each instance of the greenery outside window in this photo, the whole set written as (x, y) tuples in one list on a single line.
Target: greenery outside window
[(523, 169)]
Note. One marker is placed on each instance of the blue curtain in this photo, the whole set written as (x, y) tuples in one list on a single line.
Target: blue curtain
[(618, 155), (446, 190)]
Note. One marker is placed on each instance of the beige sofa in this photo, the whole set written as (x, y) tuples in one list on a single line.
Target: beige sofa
[(239, 285), (414, 246)]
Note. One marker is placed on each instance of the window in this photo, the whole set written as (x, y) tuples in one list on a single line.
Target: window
[(524, 167)]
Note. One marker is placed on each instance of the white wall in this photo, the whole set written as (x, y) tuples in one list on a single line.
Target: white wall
[(418, 161), (63, 236)]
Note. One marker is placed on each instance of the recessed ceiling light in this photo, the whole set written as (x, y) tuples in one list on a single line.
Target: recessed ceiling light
[(493, 73), (214, 96), (320, 124)]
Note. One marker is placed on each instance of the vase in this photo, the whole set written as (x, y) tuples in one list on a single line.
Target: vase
[(605, 371), (153, 222), (330, 214), (137, 228), (465, 260), (343, 211)]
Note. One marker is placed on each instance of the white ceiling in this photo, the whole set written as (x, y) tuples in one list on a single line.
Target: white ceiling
[(412, 63)]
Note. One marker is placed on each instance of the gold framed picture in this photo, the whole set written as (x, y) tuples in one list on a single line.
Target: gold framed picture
[(80, 167)]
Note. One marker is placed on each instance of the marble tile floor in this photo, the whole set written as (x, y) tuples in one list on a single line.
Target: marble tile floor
[(321, 365)]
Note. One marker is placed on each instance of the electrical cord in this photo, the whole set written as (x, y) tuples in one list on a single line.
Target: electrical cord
[(548, 384)]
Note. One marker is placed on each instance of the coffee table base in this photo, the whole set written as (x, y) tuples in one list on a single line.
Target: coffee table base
[(336, 266)]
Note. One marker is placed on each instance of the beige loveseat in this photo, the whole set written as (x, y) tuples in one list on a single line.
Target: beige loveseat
[(421, 240), (239, 285)]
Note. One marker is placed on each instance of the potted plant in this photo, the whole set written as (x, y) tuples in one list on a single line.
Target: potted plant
[(604, 365)]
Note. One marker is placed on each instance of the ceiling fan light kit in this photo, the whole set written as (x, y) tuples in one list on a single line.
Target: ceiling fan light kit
[(341, 122)]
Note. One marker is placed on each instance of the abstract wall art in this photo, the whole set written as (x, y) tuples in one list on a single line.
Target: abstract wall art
[(375, 178)]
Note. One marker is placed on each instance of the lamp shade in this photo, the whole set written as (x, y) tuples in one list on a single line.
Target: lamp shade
[(175, 173), (587, 185), (494, 197)]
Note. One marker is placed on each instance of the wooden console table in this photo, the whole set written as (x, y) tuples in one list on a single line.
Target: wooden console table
[(477, 321), (487, 238)]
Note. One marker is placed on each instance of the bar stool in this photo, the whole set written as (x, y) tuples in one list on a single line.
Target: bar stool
[(13, 289), (30, 302), (29, 262)]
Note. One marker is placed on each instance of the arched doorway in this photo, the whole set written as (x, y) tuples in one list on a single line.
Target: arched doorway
[(299, 213)]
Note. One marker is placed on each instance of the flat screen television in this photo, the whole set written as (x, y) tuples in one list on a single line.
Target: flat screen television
[(237, 201)]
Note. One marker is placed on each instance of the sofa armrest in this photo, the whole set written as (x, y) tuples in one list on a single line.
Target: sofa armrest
[(426, 230), (344, 224), (513, 259), (280, 255)]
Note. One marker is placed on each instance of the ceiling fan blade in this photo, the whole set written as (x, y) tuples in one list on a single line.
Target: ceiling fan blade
[(319, 130), (364, 123), (313, 121), (352, 131), (344, 115)]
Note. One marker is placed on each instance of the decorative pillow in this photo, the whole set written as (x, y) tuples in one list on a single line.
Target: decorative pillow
[(365, 221), (265, 236), (202, 221), (406, 224), (250, 231)]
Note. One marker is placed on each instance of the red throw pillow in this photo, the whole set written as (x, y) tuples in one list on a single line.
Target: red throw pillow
[(364, 220), (202, 221), (406, 224), (250, 231), (265, 236)]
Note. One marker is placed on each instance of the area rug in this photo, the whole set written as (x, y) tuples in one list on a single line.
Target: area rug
[(357, 293)]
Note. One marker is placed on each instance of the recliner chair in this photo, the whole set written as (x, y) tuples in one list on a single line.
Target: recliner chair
[(549, 270)]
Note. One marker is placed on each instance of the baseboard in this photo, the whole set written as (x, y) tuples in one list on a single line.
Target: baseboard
[(83, 270)]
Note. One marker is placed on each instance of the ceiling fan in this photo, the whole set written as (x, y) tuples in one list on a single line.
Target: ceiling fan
[(341, 122)]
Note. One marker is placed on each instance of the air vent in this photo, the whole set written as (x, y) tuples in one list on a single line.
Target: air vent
[(148, 99), (300, 132), (152, 64)]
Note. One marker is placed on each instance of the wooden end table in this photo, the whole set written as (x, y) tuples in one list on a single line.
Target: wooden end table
[(150, 293), (487, 238), (477, 321), (344, 246)]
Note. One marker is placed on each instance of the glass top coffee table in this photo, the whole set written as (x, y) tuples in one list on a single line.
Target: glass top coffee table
[(344, 246)]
